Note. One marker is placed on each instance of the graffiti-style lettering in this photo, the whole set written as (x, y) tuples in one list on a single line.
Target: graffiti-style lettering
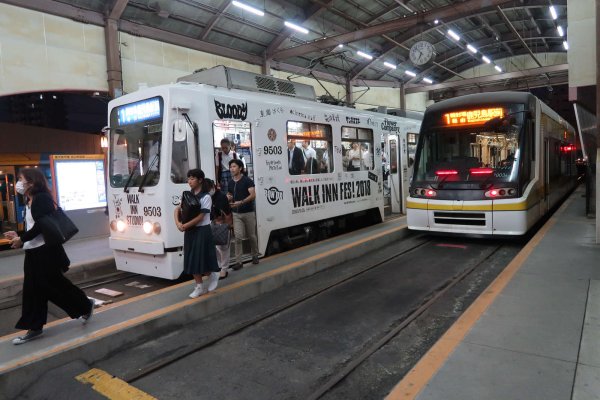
[(233, 111)]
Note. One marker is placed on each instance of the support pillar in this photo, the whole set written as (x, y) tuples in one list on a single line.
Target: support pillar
[(266, 67), (113, 58), (349, 97), (402, 97)]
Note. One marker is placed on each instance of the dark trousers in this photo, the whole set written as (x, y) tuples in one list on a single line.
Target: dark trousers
[(44, 281)]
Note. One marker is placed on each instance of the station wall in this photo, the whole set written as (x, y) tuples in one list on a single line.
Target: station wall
[(40, 52)]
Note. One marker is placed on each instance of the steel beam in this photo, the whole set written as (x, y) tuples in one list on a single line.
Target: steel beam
[(489, 78), (113, 58), (117, 9), (517, 84), (213, 20)]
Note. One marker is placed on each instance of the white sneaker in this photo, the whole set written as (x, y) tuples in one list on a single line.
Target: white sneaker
[(213, 281), (198, 291)]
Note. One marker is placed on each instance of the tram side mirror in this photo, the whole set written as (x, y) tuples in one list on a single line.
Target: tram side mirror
[(179, 131)]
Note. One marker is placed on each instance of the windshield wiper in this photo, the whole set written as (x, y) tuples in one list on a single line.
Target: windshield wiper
[(145, 176), (126, 187), (439, 184)]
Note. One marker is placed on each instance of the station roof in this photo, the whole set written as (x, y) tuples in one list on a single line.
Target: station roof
[(337, 30)]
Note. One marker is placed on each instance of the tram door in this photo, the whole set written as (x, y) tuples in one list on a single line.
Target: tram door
[(239, 136), (394, 180)]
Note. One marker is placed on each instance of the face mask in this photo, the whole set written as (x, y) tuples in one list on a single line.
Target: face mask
[(211, 192), (20, 186)]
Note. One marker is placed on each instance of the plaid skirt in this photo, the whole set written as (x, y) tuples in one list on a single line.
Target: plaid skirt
[(199, 252)]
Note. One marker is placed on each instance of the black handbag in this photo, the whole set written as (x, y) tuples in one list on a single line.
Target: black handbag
[(220, 233), (190, 206), (56, 227)]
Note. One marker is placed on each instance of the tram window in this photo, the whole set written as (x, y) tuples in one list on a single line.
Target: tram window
[(315, 144), (181, 152), (357, 149)]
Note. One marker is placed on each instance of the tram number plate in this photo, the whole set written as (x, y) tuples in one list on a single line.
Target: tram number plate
[(152, 212), (272, 150)]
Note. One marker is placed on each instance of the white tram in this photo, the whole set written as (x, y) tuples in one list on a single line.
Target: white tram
[(157, 134), (490, 164)]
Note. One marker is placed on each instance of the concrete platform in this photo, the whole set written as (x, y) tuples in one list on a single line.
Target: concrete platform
[(534, 333), (115, 326)]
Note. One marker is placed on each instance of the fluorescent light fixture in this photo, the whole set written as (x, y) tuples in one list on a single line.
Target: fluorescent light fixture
[(437, 21), (553, 12), (340, 46), (453, 34), (427, 80), (389, 65), (296, 27), (498, 68), (560, 30), (364, 55), (487, 60), (566, 45), (410, 73), (248, 8), (471, 49)]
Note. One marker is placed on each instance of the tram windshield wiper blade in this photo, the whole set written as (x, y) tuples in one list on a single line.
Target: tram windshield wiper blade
[(145, 176), (126, 187)]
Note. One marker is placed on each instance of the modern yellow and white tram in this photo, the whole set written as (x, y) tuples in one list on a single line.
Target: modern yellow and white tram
[(490, 164), (157, 134)]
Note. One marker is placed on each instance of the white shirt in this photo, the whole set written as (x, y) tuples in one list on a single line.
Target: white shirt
[(354, 156), (205, 204), (29, 223), (309, 152), (225, 158)]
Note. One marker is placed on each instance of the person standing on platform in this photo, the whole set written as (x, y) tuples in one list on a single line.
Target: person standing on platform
[(199, 253), (44, 264), (221, 214), (241, 196), (222, 174)]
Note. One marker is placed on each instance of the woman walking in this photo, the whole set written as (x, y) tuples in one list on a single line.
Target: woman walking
[(199, 254), (44, 263)]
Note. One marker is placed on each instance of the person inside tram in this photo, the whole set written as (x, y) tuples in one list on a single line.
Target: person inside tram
[(324, 164), (365, 155), (222, 159), (354, 157), (310, 158), (295, 158)]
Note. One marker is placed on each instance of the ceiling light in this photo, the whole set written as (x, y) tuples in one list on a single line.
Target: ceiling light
[(248, 8), (471, 49), (296, 27), (410, 73), (487, 60), (389, 65), (566, 45), (427, 80), (365, 55), (340, 46), (498, 68), (560, 30), (453, 35), (437, 21), (553, 12)]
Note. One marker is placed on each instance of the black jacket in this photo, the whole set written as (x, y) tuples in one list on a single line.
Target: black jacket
[(41, 205), (297, 161)]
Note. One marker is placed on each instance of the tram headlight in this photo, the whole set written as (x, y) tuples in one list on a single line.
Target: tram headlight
[(156, 227), (121, 225), (148, 227), (422, 192), (501, 193), (113, 225)]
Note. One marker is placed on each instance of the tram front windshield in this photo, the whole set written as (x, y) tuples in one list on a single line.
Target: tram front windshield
[(135, 143), (475, 145)]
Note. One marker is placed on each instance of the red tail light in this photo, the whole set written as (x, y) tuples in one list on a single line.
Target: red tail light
[(430, 193), (481, 171), (444, 172)]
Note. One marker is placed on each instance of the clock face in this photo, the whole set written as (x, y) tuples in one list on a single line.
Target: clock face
[(421, 52)]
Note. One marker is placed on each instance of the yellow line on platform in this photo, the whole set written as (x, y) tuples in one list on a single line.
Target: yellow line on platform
[(111, 387), (420, 375)]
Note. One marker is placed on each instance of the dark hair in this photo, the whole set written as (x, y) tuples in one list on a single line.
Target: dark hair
[(225, 141), (237, 162), (36, 179), (199, 174), (209, 183)]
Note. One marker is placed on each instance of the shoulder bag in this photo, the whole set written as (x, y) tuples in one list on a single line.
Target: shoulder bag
[(190, 206), (220, 232), (56, 227)]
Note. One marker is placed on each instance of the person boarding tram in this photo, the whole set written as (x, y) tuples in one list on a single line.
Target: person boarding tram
[(221, 214), (226, 154)]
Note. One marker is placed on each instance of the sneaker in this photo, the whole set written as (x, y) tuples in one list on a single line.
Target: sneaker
[(255, 260), (30, 335), (86, 317), (237, 266), (198, 291)]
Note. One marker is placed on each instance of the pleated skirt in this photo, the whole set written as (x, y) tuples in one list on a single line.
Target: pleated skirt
[(199, 252)]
